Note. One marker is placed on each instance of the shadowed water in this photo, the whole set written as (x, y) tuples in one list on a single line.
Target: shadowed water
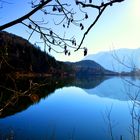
[(72, 109)]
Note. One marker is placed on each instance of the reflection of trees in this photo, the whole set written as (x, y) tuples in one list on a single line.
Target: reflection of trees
[(88, 82), (18, 94)]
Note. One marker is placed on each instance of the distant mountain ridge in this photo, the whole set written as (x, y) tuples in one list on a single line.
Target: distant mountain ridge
[(108, 59), (89, 68)]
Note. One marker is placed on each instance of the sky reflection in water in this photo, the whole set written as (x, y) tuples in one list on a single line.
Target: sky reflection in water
[(72, 113)]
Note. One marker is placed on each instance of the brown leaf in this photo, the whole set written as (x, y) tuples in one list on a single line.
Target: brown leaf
[(90, 1), (85, 51)]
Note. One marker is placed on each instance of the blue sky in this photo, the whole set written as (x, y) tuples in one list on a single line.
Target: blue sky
[(118, 27)]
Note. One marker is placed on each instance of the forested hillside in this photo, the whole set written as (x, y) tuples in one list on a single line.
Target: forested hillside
[(18, 56)]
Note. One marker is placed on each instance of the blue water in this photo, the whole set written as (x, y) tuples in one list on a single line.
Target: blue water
[(73, 113)]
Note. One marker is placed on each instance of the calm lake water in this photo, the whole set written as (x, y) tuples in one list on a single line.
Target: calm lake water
[(81, 110)]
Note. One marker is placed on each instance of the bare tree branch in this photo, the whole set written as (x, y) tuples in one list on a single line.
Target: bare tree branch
[(19, 20), (101, 9), (50, 37), (90, 27)]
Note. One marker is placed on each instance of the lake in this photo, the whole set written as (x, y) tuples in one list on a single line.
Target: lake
[(77, 109)]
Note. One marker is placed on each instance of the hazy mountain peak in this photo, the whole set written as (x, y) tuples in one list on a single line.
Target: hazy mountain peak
[(110, 59)]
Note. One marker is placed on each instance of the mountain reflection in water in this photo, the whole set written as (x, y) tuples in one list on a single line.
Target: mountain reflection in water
[(23, 101), (67, 109)]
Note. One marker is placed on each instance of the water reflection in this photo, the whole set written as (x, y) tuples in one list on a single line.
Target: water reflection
[(116, 88), (70, 109), (17, 98)]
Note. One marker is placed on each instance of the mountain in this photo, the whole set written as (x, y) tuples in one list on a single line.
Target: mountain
[(89, 68), (19, 56), (110, 59)]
